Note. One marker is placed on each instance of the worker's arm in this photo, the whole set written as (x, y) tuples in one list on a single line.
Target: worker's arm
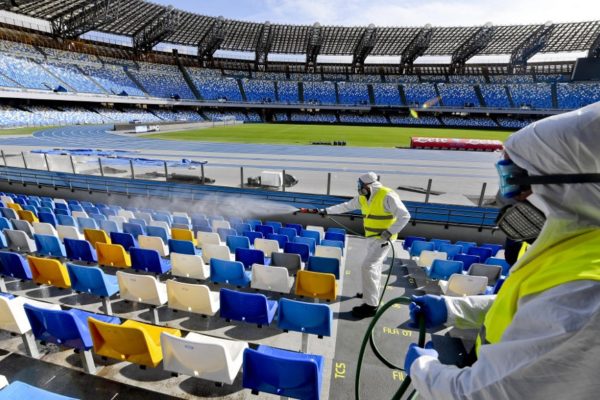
[(549, 351), (350, 205), (467, 312), (395, 206)]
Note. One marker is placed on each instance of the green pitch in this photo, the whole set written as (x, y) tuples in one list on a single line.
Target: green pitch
[(22, 131), (365, 136)]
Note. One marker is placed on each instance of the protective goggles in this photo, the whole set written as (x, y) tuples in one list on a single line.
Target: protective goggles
[(514, 180)]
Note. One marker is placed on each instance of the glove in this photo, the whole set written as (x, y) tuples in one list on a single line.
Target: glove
[(432, 306), (323, 212), (386, 235), (415, 352)]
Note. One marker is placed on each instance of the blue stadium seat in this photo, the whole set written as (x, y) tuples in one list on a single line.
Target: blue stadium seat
[(91, 210), (298, 248), (202, 227), (450, 249), (500, 262), (15, 265), (163, 216), (148, 260), (249, 257), (291, 233), (282, 239), (235, 221), (158, 231), (264, 229), (48, 218), (47, 210), (126, 240), (241, 228), (310, 242), (341, 231), (3, 242), (408, 241), (253, 308), (182, 247), (99, 218), (442, 269), (467, 260), (276, 225), (465, 245), (333, 243), (439, 242), (60, 206), (237, 242), (332, 235), (66, 220), (5, 224), (230, 272), (224, 232), (61, 211), (108, 212), (483, 252), (283, 373), (92, 280), (418, 246), (495, 247), (48, 245), (324, 264), (80, 250), (181, 220), (86, 223), (297, 227), (133, 229), (251, 235), (312, 234), (109, 226), (20, 390), (254, 223), (300, 316)]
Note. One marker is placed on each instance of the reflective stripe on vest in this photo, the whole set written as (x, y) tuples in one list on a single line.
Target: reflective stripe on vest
[(377, 219), (574, 259)]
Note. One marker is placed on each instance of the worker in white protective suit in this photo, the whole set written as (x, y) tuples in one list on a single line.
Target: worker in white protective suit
[(384, 216), (540, 335)]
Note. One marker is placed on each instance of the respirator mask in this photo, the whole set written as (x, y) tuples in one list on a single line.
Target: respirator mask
[(363, 188), (524, 221)]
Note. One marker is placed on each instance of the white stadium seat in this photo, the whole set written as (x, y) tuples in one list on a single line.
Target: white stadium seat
[(464, 285), (43, 228), (189, 266), (220, 224), (266, 245), (205, 238), (427, 256), (192, 298), (154, 243), (218, 251), (68, 232), (141, 288), (19, 241), (274, 279)]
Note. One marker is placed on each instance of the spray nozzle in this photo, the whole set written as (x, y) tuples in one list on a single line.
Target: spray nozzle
[(307, 211)]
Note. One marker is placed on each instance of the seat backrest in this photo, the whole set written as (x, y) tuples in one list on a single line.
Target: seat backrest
[(289, 232), (300, 316), (49, 245), (48, 271), (148, 260), (60, 211), (316, 235), (333, 243), (146, 217), (189, 266), (66, 220), (109, 226), (158, 231), (465, 245), (80, 250), (316, 285), (191, 298), (87, 223), (12, 313), (438, 242), (225, 232), (494, 247), (483, 252), (217, 251), (23, 226), (500, 262), (141, 288), (264, 229), (316, 228), (118, 220), (96, 236), (127, 240), (216, 224), (227, 271), (467, 260), (113, 255), (241, 228), (249, 257), (254, 223), (310, 242), (291, 261), (126, 214), (5, 223), (19, 240), (182, 234), (134, 229), (450, 249), (282, 239), (153, 243), (442, 269), (267, 246), (15, 265), (491, 272), (160, 224), (275, 279), (161, 217), (48, 218), (247, 307), (252, 235), (466, 285), (90, 280), (325, 265), (428, 257), (43, 228), (298, 248), (333, 235), (205, 238), (181, 220), (28, 216), (68, 232), (329, 251), (99, 218), (237, 242), (418, 246), (9, 213), (181, 247)]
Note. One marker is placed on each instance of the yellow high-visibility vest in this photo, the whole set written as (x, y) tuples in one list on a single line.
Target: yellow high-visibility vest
[(377, 219), (574, 259)]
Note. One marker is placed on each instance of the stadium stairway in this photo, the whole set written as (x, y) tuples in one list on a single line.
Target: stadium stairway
[(479, 95), (402, 94), (188, 78), (509, 96), (242, 91), (372, 96), (136, 81), (91, 78)]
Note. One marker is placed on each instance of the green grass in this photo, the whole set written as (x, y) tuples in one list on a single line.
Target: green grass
[(305, 134), (22, 131)]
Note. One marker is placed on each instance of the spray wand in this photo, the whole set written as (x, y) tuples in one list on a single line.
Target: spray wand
[(306, 211)]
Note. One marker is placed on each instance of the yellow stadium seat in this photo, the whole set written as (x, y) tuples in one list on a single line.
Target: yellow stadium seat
[(27, 215), (96, 236), (113, 255), (183, 234), (47, 271), (15, 206), (316, 285), (131, 341)]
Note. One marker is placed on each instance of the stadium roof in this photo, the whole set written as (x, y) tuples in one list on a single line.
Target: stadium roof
[(334, 40)]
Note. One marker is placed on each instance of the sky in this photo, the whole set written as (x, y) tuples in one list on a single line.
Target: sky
[(396, 12)]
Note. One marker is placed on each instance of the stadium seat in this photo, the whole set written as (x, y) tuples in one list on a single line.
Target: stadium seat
[(68, 232), (220, 224), (182, 247), (127, 240), (95, 236), (47, 271), (65, 328), (48, 218), (267, 246), (202, 356), (291, 261), (298, 248), (500, 262), (158, 231), (28, 216), (109, 226), (153, 243), (118, 220), (15, 266), (241, 228), (192, 298), (5, 224), (253, 308), (249, 257), (300, 316), (131, 341), (329, 251), (80, 250), (225, 232), (86, 223), (140, 222), (133, 229), (439, 242), (482, 252), (264, 229), (23, 226), (237, 242), (211, 251), (315, 228), (450, 249), (441, 269), (49, 246), (428, 257), (418, 246), (316, 235), (164, 225), (183, 234), (3, 242), (310, 242), (283, 372), (252, 236), (281, 239), (66, 220), (316, 285), (20, 390), (275, 224), (289, 232), (149, 261), (9, 213), (254, 223), (491, 272), (333, 235), (189, 266), (205, 238), (113, 255), (43, 228), (92, 280), (141, 289), (465, 245), (463, 285), (146, 217), (230, 272), (495, 247), (324, 264), (333, 243), (19, 241), (467, 260), (274, 279)]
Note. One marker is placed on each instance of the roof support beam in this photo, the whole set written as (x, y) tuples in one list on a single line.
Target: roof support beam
[(470, 47), (157, 29), (212, 40), (528, 47), (263, 46), (594, 51), (313, 46), (415, 48), (84, 17), (8, 4), (363, 48)]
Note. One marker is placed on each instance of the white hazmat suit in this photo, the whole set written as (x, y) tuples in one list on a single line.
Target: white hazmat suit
[(551, 349), (375, 254)]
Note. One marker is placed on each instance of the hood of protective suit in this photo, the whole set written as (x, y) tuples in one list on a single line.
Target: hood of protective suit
[(563, 144)]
